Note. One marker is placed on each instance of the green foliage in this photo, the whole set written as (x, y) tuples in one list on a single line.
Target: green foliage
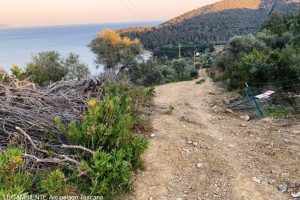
[(12, 180), (53, 183), (59, 124), (112, 50), (207, 59), (46, 67), (76, 69), (276, 24), (194, 73), (3, 75), (208, 25), (110, 173), (18, 73), (274, 41), (106, 128), (198, 65), (179, 67), (107, 125), (153, 72), (240, 45), (279, 111), (146, 73), (270, 57), (186, 50)]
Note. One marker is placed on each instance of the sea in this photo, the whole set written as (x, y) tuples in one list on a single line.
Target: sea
[(17, 45)]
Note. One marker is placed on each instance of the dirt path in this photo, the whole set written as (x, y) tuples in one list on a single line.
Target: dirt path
[(201, 152)]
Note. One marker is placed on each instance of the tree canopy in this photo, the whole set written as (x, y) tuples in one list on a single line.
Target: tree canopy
[(49, 66), (114, 51)]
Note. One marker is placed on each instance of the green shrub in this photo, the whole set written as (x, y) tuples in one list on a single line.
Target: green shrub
[(106, 128), (18, 73), (12, 180), (4, 76), (153, 72), (53, 183), (146, 73), (179, 67), (207, 59), (110, 173), (107, 125), (194, 73), (48, 66), (272, 56), (279, 111), (76, 70), (275, 112), (198, 65)]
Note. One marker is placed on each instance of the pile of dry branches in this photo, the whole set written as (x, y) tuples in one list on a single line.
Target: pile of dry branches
[(27, 115)]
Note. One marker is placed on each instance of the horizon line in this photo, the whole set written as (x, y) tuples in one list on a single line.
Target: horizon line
[(79, 24)]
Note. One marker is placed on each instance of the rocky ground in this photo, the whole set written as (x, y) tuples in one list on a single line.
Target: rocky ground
[(201, 151)]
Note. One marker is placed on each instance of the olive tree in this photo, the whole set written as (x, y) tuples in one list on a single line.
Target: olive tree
[(113, 51)]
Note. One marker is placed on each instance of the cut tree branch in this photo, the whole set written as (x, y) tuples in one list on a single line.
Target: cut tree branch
[(31, 141), (77, 147), (64, 158)]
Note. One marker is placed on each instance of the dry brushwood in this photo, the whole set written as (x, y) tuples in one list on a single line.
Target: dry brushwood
[(27, 115)]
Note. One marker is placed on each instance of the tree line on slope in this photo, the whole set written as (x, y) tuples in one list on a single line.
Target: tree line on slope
[(271, 56), (214, 28), (270, 59)]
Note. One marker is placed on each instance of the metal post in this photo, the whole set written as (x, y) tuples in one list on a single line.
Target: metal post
[(179, 51), (194, 59), (250, 94)]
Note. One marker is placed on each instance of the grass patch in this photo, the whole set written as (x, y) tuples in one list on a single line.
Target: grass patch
[(279, 111)]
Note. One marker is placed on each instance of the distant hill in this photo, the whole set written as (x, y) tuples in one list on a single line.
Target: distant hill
[(214, 23)]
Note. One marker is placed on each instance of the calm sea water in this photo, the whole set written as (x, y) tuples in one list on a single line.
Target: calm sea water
[(17, 45)]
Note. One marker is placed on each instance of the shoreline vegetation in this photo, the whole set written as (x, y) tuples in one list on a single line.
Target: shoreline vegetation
[(66, 134)]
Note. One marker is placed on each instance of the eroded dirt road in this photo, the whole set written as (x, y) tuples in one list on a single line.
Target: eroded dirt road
[(201, 152)]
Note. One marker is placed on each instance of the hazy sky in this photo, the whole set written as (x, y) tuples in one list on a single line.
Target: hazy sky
[(55, 12)]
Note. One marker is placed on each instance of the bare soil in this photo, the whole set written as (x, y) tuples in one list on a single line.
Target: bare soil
[(200, 151)]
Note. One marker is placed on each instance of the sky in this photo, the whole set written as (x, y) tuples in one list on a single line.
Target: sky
[(22, 13)]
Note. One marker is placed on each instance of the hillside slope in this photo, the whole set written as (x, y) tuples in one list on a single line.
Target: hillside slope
[(214, 23)]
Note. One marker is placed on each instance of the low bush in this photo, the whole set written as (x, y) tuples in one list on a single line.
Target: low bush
[(53, 182), (279, 111), (153, 72), (270, 57), (13, 180), (114, 150)]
